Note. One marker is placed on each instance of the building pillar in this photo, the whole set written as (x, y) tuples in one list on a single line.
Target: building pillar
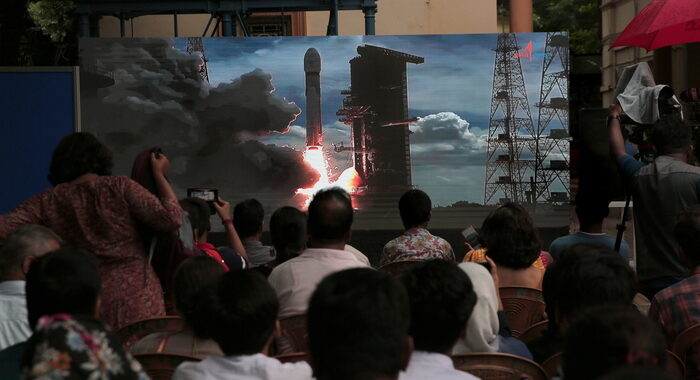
[(84, 25), (228, 25), (95, 26), (521, 16), (369, 20), (679, 71)]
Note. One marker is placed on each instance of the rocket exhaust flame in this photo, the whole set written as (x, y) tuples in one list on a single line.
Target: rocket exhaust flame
[(348, 180)]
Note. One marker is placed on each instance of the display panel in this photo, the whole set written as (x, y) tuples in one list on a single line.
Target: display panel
[(473, 120)]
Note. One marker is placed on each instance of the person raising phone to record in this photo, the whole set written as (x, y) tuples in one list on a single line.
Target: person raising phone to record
[(198, 212)]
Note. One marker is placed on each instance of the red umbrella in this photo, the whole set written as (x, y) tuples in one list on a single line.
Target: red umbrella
[(663, 23)]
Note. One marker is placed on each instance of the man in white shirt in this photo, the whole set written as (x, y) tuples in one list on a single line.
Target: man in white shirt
[(329, 228), (441, 298), (358, 327), (241, 310), (17, 253)]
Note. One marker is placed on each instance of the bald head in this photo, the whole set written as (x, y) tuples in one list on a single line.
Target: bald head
[(330, 218), (22, 246)]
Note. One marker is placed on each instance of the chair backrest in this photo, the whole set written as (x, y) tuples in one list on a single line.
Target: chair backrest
[(398, 268), (497, 366), (674, 365), (686, 340), (523, 306), (551, 365), (533, 332), (160, 366), (294, 337), (293, 357), (131, 333)]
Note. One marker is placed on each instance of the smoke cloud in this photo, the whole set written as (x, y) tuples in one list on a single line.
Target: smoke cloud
[(138, 93)]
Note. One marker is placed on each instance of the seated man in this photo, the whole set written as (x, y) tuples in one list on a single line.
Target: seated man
[(591, 210), (678, 307), (329, 228), (233, 257), (585, 276), (603, 339), (18, 251), (191, 279), (63, 289), (358, 324), (248, 221), (288, 233), (242, 313), (416, 243), (441, 298)]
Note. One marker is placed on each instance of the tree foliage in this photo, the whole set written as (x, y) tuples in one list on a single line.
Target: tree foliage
[(581, 18), (56, 20), (53, 17)]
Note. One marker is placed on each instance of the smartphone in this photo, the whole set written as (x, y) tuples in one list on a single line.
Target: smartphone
[(472, 237), (209, 195)]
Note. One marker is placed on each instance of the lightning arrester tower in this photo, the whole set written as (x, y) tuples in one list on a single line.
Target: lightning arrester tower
[(194, 45), (511, 134), (552, 156)]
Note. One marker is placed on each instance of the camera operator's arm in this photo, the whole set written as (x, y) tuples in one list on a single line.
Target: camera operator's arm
[(627, 165), (223, 208), (617, 142)]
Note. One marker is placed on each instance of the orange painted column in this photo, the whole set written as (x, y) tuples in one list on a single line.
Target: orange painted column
[(521, 16)]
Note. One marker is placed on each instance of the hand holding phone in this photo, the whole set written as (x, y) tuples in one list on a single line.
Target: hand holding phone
[(471, 237), (209, 195)]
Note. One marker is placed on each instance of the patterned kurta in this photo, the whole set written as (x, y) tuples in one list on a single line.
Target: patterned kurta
[(416, 244), (101, 216), (77, 347)]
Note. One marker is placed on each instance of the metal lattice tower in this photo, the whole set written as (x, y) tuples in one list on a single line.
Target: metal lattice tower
[(552, 163), (511, 134), (194, 45)]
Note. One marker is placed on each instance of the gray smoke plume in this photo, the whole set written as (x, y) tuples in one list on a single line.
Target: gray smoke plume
[(138, 93)]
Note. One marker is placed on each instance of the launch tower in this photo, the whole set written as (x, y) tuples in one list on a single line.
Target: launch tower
[(376, 109), (194, 45)]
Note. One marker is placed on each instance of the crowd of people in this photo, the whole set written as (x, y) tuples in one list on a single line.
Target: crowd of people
[(96, 253)]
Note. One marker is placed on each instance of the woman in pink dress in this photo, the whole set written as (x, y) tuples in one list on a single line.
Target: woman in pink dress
[(93, 210)]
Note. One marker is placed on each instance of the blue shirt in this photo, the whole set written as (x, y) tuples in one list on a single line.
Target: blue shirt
[(562, 243)]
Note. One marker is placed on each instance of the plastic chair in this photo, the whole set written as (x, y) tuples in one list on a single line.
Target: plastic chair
[(533, 332), (551, 365), (398, 268), (131, 333), (161, 366), (523, 306), (686, 340), (294, 334), (293, 357), (674, 365), (497, 366)]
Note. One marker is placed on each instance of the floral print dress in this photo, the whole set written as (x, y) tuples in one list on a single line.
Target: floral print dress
[(101, 216), (80, 347)]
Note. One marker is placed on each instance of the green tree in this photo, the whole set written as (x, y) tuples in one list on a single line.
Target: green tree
[(55, 19), (581, 18)]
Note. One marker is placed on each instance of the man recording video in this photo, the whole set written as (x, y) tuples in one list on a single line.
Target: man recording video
[(660, 191)]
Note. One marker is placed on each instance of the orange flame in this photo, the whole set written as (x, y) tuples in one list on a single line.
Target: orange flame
[(349, 179)]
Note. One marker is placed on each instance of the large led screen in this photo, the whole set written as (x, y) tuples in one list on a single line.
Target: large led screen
[(473, 120)]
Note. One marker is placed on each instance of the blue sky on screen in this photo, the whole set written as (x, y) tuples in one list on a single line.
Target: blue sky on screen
[(450, 93)]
